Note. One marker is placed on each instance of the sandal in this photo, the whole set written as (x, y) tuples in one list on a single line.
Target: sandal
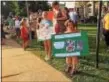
[(72, 73), (68, 68)]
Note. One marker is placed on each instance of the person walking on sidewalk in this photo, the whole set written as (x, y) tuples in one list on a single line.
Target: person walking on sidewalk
[(45, 24), (24, 33)]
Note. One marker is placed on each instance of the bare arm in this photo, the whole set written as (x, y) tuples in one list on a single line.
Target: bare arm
[(103, 21), (64, 16)]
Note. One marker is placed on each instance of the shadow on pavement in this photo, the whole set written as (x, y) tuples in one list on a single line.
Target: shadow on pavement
[(11, 75)]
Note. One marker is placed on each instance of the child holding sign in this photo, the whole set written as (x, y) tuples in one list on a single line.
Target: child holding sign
[(71, 61), (45, 25)]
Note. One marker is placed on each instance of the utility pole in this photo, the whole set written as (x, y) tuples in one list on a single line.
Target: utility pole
[(98, 35), (27, 8)]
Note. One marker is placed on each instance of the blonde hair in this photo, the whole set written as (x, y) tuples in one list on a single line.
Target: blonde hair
[(22, 21), (44, 12)]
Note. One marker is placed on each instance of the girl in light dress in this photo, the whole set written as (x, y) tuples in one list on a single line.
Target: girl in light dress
[(46, 24)]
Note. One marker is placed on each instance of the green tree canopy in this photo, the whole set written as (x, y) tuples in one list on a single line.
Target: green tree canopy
[(10, 6), (19, 7)]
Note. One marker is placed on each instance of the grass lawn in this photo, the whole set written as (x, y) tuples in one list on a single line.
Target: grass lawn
[(88, 72)]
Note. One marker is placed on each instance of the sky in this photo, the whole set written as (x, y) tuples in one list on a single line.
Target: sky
[(67, 4), (59, 2)]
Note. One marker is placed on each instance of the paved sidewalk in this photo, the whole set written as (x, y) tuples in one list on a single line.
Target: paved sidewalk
[(19, 65)]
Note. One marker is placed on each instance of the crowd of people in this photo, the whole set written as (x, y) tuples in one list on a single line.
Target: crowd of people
[(64, 21)]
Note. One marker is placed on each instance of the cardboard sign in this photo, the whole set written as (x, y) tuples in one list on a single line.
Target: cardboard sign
[(44, 34), (72, 44)]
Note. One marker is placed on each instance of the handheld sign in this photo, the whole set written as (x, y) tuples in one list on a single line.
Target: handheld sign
[(44, 34), (72, 44)]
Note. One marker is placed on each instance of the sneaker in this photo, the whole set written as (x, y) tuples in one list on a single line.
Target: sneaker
[(67, 69), (47, 58), (72, 72)]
